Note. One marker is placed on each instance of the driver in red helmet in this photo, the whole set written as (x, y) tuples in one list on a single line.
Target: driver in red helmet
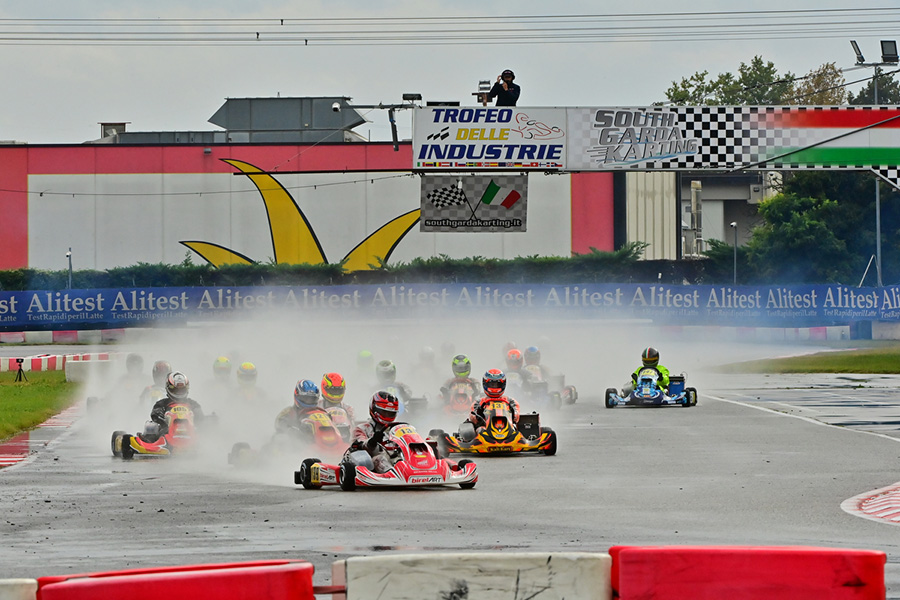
[(369, 436), (494, 384)]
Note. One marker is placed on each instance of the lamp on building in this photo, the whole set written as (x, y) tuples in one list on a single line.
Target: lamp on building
[(888, 57), (69, 256), (734, 228)]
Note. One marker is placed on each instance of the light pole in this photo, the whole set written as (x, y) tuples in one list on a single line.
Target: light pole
[(734, 228), (888, 57), (69, 256)]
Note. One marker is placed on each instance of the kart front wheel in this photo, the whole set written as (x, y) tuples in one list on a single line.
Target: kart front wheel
[(116, 443), (127, 450), (609, 397), (347, 476), (304, 475), (462, 465), (550, 448)]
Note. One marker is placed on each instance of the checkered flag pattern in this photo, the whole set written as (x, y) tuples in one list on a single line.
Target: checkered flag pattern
[(447, 196), (471, 208)]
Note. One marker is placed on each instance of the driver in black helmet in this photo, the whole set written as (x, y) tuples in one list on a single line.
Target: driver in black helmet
[(504, 90)]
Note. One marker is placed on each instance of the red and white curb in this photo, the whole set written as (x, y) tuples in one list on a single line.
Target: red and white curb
[(18, 448), (881, 505), (52, 362)]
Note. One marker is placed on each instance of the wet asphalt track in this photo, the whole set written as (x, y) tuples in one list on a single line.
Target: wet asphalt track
[(721, 473)]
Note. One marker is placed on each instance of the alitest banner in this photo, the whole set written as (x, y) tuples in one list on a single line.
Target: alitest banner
[(785, 306), (658, 138)]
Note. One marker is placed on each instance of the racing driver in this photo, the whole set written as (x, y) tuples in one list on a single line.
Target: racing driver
[(494, 384), (369, 435), (177, 392)]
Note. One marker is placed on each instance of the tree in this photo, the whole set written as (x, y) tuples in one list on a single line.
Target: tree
[(888, 90), (798, 244), (823, 86), (757, 83)]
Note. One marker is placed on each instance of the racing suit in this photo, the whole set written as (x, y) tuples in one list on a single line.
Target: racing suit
[(369, 436), (663, 377), (289, 420), (471, 384), (476, 417)]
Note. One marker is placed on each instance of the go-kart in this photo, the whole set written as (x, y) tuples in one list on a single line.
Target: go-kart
[(409, 405), (499, 434), (647, 392), (414, 461), (326, 430), (457, 398), (179, 438), (535, 390)]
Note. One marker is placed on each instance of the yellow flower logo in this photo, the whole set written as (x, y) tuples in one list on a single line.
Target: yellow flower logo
[(293, 239)]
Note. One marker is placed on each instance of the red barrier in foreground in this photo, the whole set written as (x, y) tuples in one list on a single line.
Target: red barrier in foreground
[(746, 572), (273, 580)]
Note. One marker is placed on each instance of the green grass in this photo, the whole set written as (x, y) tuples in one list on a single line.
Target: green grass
[(883, 358), (26, 404)]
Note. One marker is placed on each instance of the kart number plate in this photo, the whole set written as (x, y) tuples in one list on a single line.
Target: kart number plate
[(401, 431), (315, 475)]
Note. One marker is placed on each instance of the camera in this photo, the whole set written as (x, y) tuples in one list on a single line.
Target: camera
[(336, 107), (19, 361)]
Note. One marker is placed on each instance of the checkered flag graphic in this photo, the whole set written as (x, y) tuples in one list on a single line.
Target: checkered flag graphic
[(446, 197)]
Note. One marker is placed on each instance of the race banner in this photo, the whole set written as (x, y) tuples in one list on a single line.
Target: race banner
[(735, 306), (474, 203), (454, 138), (668, 138)]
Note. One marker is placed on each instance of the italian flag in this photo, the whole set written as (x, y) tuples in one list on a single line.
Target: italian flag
[(494, 191)]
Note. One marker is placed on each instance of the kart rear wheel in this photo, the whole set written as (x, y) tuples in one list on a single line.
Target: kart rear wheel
[(304, 475), (347, 476), (117, 449), (462, 465), (550, 449), (691, 395), (127, 450), (608, 397)]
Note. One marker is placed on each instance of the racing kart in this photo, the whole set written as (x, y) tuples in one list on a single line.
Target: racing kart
[(535, 389), (409, 405), (414, 462), (499, 434), (647, 392), (458, 397), (326, 430), (179, 438)]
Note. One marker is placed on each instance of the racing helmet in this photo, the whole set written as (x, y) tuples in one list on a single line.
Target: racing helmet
[(306, 394), (222, 367), (494, 383), (161, 370), (462, 366), (134, 363), (177, 386), (246, 374), (426, 356), (514, 359), (386, 372), (383, 408), (365, 360), (333, 388), (650, 357), (532, 355)]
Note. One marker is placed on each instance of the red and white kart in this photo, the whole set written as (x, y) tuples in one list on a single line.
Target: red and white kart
[(414, 461)]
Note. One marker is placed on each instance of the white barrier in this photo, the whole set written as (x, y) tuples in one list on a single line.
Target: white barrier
[(81, 371), (486, 576), (18, 589)]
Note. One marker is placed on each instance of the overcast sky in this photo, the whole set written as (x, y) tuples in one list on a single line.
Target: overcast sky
[(57, 93)]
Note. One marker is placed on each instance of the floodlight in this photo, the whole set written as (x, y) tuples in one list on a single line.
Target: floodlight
[(889, 52), (859, 57), (412, 97)]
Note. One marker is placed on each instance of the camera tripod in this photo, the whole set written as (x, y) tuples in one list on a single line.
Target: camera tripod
[(20, 374)]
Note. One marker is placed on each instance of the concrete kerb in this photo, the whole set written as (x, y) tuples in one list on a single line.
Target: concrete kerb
[(18, 589)]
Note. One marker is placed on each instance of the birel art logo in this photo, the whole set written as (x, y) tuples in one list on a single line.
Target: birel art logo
[(632, 136), (426, 479)]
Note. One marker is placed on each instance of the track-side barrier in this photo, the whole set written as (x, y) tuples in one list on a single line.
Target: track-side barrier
[(486, 576), (18, 589), (773, 573), (273, 580)]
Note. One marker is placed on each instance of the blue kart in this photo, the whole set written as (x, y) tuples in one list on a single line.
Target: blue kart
[(647, 392)]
